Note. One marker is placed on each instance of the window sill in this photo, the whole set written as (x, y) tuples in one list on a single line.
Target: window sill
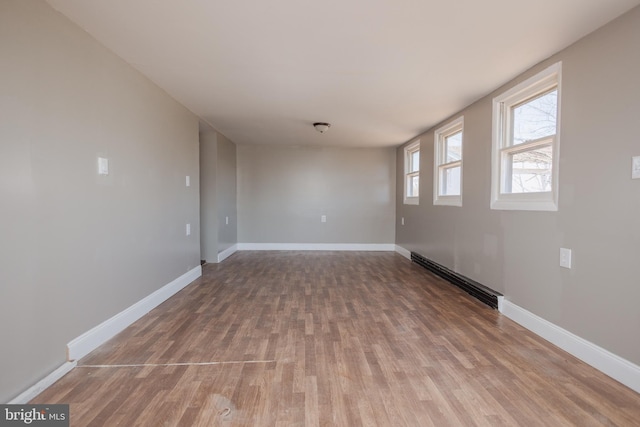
[(448, 201), (524, 203)]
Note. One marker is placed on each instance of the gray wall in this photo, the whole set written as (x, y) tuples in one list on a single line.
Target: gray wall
[(226, 194), (283, 191), (218, 194), (208, 201), (517, 252), (77, 248)]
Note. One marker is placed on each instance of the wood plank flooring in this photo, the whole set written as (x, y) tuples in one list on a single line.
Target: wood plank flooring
[(333, 339)]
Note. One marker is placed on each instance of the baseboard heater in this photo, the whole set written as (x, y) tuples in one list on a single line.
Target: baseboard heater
[(473, 288)]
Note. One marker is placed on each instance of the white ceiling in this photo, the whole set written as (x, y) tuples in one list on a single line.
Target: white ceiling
[(380, 71)]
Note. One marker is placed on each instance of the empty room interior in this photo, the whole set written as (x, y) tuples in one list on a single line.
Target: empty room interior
[(334, 213)]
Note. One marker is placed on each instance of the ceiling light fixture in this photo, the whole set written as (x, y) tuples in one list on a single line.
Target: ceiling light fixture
[(321, 127)]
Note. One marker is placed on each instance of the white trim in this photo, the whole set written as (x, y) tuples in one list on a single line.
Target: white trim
[(409, 149), (370, 247), (439, 162), (544, 201), (615, 366), (404, 252), (43, 384), (93, 338), (411, 200), (448, 200), (227, 252), (526, 202)]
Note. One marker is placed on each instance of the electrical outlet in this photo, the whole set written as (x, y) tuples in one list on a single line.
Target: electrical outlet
[(323, 218), (565, 257), (188, 181), (226, 220)]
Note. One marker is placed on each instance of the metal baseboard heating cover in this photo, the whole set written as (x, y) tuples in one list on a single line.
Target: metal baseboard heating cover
[(473, 288)]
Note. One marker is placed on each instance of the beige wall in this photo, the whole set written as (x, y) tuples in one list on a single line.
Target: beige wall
[(283, 191), (517, 252), (77, 248)]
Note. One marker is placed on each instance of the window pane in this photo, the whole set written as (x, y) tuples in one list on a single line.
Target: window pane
[(531, 170), (413, 183), (453, 147), (450, 181), (415, 161), (535, 118)]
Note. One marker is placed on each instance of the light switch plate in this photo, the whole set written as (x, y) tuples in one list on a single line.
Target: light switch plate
[(565, 257), (635, 167), (323, 218), (188, 181), (188, 229), (103, 166)]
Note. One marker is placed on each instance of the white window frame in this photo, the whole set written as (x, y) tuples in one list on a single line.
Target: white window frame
[(542, 82), (440, 162), (408, 151)]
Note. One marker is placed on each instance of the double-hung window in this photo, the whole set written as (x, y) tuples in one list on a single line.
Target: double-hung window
[(526, 128), (412, 173), (447, 175)]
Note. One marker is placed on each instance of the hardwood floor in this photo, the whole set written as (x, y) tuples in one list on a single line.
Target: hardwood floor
[(333, 339)]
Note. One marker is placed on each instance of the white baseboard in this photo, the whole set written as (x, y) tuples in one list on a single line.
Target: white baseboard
[(227, 253), (43, 384), (402, 251), (385, 247), (615, 366), (90, 340)]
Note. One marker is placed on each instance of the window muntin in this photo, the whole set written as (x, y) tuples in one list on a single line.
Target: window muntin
[(412, 173), (526, 144), (447, 188)]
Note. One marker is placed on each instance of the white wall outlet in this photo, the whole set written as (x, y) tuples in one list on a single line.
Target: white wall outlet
[(565, 257), (402, 221), (188, 230), (635, 167), (323, 218), (103, 166), (188, 181), (226, 220)]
